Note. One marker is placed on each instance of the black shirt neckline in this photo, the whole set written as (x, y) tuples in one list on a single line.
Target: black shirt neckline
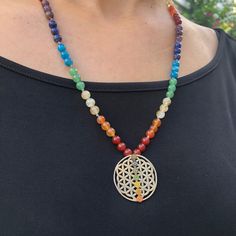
[(118, 86)]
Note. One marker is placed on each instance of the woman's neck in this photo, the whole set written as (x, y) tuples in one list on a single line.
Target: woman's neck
[(112, 8)]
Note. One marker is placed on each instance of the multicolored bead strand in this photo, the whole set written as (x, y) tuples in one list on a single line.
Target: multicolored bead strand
[(91, 103)]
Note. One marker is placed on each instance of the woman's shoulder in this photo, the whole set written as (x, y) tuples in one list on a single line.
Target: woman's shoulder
[(230, 42)]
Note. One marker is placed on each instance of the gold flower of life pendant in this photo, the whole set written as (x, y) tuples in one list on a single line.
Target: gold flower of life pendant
[(135, 178)]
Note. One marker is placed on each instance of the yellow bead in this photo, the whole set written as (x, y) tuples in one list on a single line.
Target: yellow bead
[(94, 110), (105, 125), (110, 132), (164, 108), (160, 114), (137, 184), (85, 94), (90, 102), (166, 101)]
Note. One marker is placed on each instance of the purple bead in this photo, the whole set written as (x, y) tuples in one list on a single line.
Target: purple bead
[(179, 32), (52, 24), (57, 38), (179, 27), (49, 14), (45, 3), (54, 31), (47, 8), (177, 51), (179, 39), (177, 57)]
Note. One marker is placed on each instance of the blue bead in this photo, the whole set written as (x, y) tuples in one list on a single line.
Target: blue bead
[(178, 45), (54, 31), (177, 51), (61, 47), (68, 62), (52, 24), (57, 38), (65, 55)]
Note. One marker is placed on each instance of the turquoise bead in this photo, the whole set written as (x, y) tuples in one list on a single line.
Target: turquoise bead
[(170, 94), (175, 68), (175, 63), (174, 74), (68, 62), (65, 55), (76, 78), (80, 85), (73, 71), (61, 47), (172, 88), (173, 81)]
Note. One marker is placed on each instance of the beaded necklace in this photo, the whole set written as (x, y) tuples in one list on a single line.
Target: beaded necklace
[(135, 177)]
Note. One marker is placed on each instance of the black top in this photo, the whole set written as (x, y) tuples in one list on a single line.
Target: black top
[(56, 165)]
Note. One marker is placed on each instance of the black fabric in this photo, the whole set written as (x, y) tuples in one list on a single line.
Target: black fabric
[(56, 165)]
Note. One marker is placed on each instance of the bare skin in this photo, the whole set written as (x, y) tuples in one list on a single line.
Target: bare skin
[(109, 40)]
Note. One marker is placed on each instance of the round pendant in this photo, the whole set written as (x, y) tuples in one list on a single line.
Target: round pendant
[(135, 178)]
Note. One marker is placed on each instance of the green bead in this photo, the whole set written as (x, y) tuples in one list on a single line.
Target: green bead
[(76, 78), (136, 177), (172, 88), (80, 85), (73, 71), (170, 94), (173, 81)]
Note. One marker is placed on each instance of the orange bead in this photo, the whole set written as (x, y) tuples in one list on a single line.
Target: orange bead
[(150, 133), (139, 199), (101, 120), (153, 127), (105, 125), (110, 132), (138, 191), (156, 122), (172, 10)]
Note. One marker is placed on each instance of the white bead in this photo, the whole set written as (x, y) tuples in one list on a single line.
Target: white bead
[(160, 114), (164, 108), (85, 94), (90, 102), (94, 110), (166, 101)]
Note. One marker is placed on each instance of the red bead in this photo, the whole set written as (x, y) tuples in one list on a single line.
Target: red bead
[(116, 139), (121, 147), (127, 152), (141, 147), (137, 151), (178, 22), (176, 15), (145, 140), (150, 133)]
